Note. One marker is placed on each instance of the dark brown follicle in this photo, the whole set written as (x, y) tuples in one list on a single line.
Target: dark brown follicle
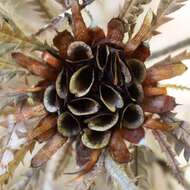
[(62, 41), (159, 104), (118, 148), (36, 67), (116, 29), (133, 136), (78, 25)]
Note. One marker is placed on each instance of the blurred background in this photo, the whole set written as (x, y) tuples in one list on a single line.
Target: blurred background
[(174, 38)]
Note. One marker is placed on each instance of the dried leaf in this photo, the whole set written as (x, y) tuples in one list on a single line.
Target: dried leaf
[(140, 167), (47, 123), (135, 41), (45, 153), (180, 134), (14, 38), (86, 181), (159, 104), (118, 174), (118, 148), (155, 91), (36, 67), (171, 157), (45, 9), (162, 71), (165, 8), (18, 157), (132, 9), (155, 122), (64, 160)]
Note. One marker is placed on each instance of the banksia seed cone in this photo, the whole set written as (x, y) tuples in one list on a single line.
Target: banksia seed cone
[(97, 91)]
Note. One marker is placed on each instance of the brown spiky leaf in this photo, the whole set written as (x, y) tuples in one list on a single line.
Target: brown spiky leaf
[(171, 157), (132, 9), (165, 8), (159, 104), (47, 123), (135, 41), (180, 134), (140, 166), (86, 181), (160, 72), (18, 157), (118, 148), (64, 160), (36, 67), (48, 150)]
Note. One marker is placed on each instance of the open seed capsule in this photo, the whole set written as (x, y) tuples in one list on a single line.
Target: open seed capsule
[(68, 125), (125, 71), (78, 51), (96, 140), (102, 56), (83, 106), (138, 69), (110, 97), (136, 92), (50, 99), (61, 84), (132, 117), (82, 81), (102, 122)]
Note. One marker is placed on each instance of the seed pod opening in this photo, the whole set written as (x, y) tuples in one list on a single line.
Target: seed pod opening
[(138, 69), (136, 92), (61, 84), (111, 98), (78, 51), (125, 71), (102, 56), (133, 116), (102, 122), (96, 140), (83, 106), (82, 81), (49, 99), (68, 125)]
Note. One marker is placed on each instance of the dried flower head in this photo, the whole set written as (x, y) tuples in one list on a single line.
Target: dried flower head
[(98, 93)]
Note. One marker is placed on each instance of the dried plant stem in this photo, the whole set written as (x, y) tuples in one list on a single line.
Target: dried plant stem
[(120, 177)]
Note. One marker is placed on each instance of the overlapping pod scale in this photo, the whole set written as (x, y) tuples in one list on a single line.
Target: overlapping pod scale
[(81, 81), (132, 117), (78, 51), (83, 106), (102, 122), (116, 71), (135, 91), (68, 125), (102, 56), (138, 69), (62, 84), (125, 71), (49, 99), (96, 140), (111, 98)]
